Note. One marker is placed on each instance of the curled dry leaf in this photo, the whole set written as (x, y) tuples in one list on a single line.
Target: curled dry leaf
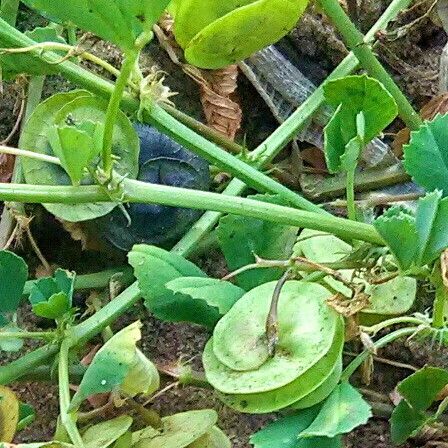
[(217, 87), (437, 105), (444, 267), (349, 307)]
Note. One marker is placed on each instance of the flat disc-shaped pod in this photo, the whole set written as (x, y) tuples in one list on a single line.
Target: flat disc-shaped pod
[(306, 326), (70, 109), (242, 32), (307, 383), (178, 431), (215, 438), (321, 392), (203, 13)]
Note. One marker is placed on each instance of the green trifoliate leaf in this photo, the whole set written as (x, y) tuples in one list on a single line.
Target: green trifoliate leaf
[(419, 392), (216, 293), (51, 297), (241, 238), (110, 366), (119, 21), (343, 411), (283, 433), (76, 147), (353, 95), (426, 156), (13, 275)]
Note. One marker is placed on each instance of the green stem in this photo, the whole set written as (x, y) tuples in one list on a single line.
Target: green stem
[(438, 313), (394, 321), (350, 194), (113, 108), (141, 192), (29, 154), (67, 418), (353, 366), (355, 41), (71, 35), (9, 10), (26, 335)]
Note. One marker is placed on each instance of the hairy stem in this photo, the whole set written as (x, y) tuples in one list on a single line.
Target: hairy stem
[(67, 418), (113, 108), (26, 335)]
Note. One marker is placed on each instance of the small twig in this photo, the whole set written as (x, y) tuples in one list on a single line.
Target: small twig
[(84, 417), (36, 248), (378, 200), (384, 279), (260, 263), (160, 393), (272, 319), (150, 417), (389, 362), (12, 237)]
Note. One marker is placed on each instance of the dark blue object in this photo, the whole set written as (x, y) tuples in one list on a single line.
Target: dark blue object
[(164, 162)]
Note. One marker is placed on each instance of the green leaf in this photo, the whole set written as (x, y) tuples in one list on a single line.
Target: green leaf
[(397, 228), (110, 365), (216, 293), (10, 344), (75, 148), (119, 21), (125, 441), (214, 438), (426, 156), (351, 96), (406, 422), (284, 431), (217, 34), (240, 238), (179, 430), (421, 388), (52, 297), (76, 108), (105, 433), (343, 411), (154, 268), (142, 378), (13, 275), (15, 64), (27, 415)]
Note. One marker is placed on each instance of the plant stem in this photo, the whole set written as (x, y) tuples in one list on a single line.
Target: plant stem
[(30, 154), (9, 10), (350, 194), (26, 335), (438, 313), (64, 395), (141, 192), (71, 34), (355, 41), (353, 366), (393, 321), (113, 108)]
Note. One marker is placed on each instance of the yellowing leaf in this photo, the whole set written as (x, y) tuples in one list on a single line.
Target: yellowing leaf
[(9, 414)]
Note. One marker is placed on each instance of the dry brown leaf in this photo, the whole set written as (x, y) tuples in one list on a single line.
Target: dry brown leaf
[(6, 167), (78, 233), (349, 307), (444, 267), (437, 105)]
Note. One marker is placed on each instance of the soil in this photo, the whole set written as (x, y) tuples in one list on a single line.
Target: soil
[(413, 59)]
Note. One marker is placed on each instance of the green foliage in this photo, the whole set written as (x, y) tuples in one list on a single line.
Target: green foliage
[(117, 365), (283, 433), (241, 238), (177, 431), (217, 34), (13, 275), (419, 391), (355, 97), (154, 269), (119, 21), (52, 297), (216, 293), (81, 112), (76, 147), (426, 156), (105, 433), (418, 240), (15, 64), (343, 411)]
